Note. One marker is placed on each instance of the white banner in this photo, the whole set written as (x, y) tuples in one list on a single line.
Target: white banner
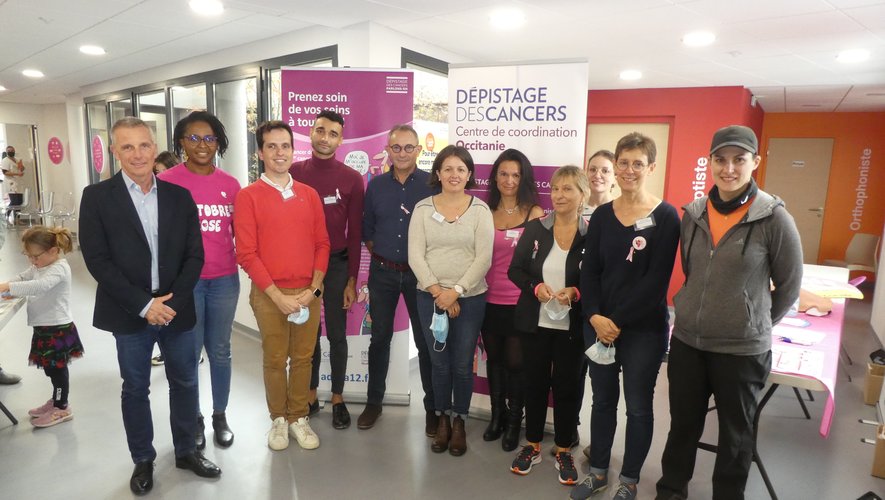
[(538, 108)]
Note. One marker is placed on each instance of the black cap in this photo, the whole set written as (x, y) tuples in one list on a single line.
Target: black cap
[(735, 135)]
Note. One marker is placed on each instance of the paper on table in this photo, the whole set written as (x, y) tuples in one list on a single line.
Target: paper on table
[(789, 359)]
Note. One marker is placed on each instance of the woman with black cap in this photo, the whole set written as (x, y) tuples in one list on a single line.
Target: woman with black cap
[(735, 243)]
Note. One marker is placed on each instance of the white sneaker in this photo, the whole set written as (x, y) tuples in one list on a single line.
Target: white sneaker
[(306, 437), (278, 437)]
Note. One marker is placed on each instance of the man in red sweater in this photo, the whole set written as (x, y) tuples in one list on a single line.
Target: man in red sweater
[(342, 191), (283, 246)]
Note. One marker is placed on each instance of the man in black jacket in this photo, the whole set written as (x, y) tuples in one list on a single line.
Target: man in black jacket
[(141, 242)]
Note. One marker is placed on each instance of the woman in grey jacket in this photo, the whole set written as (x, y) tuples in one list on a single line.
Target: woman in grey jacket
[(735, 244)]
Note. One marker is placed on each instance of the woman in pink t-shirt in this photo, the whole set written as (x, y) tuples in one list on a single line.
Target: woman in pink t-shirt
[(513, 198), (200, 135)]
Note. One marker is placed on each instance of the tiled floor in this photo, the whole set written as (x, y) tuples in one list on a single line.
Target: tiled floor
[(87, 458)]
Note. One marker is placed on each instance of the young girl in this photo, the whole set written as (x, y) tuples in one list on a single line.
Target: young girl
[(48, 284)]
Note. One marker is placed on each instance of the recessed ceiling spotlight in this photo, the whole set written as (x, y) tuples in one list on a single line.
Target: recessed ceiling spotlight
[(853, 56), (507, 18), (698, 38), (207, 7), (92, 50), (33, 73), (631, 74)]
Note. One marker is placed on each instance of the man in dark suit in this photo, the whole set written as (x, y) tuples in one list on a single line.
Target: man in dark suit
[(141, 242)]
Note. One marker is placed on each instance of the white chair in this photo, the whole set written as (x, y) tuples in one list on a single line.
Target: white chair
[(46, 208), (30, 209), (861, 255), (65, 210)]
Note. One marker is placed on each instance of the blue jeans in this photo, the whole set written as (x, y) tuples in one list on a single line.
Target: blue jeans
[(453, 367), (216, 303), (134, 352), (385, 287), (639, 356)]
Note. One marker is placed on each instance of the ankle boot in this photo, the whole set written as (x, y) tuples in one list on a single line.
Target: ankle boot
[(511, 433), (443, 434), (223, 435), (458, 444), (513, 418), (200, 434), (496, 397)]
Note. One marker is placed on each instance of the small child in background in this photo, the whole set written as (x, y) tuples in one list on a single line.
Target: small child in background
[(47, 284)]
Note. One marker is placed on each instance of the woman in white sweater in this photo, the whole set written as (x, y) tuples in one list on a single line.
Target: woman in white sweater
[(450, 251)]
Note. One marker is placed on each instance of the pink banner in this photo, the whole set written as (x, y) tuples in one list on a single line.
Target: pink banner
[(371, 102)]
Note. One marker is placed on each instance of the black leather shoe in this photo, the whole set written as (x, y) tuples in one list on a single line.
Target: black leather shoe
[(369, 416), (142, 478), (200, 436), (223, 435), (431, 423), (196, 462), (340, 416), (313, 408)]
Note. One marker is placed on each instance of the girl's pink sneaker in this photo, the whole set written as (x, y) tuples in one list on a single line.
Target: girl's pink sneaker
[(53, 417), (40, 410)]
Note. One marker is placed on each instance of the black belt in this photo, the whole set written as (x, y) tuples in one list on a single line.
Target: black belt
[(340, 254), (389, 264)]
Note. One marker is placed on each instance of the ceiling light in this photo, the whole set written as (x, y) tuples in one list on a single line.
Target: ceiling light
[(2, 88), (698, 38), (206, 7), (631, 74), (853, 56), (507, 19), (33, 73), (92, 50)]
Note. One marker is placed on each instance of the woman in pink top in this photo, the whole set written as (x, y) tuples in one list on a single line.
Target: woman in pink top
[(200, 135), (513, 198)]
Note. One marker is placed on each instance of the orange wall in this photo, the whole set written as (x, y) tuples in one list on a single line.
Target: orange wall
[(694, 114), (853, 134)]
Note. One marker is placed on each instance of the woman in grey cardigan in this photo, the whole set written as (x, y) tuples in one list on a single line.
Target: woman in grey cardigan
[(450, 251), (736, 243)]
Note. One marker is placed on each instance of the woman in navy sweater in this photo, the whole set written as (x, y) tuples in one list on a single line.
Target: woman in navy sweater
[(629, 254)]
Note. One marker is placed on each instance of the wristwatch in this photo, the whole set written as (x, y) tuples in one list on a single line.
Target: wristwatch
[(459, 289), (317, 292)]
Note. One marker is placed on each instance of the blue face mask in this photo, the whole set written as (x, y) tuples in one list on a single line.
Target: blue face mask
[(300, 317), (439, 326)]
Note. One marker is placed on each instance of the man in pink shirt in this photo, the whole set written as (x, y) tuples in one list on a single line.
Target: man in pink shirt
[(283, 246)]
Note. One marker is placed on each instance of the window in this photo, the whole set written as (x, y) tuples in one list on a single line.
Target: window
[(152, 109), (240, 96), (431, 105)]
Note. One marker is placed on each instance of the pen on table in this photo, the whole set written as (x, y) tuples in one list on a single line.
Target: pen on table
[(788, 340)]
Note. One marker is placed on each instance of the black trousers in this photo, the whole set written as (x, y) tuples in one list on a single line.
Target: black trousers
[(553, 360), (735, 383), (336, 321)]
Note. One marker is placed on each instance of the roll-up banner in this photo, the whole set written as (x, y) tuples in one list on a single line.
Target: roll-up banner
[(371, 102), (539, 108)]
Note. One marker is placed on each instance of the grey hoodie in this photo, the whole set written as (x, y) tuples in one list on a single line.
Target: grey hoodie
[(726, 304)]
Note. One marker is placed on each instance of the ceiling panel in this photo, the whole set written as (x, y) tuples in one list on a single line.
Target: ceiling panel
[(764, 44)]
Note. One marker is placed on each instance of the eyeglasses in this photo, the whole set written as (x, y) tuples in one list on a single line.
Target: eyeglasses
[(409, 148), (208, 139), (33, 257), (636, 166), (603, 170)]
